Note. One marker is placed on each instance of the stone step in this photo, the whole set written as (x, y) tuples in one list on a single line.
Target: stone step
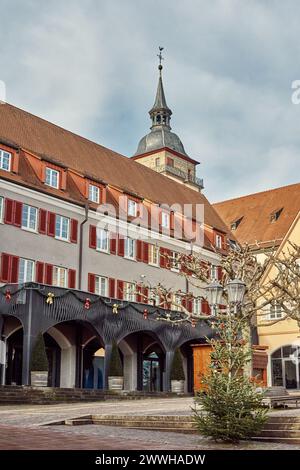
[(282, 426), (280, 433), (279, 440)]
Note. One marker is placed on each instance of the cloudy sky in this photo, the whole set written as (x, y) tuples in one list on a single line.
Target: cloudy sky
[(91, 66)]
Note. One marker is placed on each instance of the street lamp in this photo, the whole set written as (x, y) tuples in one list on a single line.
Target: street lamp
[(214, 293), (235, 290)]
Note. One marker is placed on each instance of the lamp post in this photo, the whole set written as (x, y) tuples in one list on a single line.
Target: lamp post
[(235, 289)]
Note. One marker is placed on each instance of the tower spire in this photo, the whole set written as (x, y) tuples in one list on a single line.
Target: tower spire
[(160, 112)]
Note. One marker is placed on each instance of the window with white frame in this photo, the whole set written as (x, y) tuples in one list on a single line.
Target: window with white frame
[(60, 276), (218, 241), (175, 266), (101, 284), (154, 255), (102, 239), (52, 177), (165, 220), (62, 227), (94, 193), (176, 303), (214, 272), (5, 160), (197, 306), (130, 248), (129, 291), (132, 208), (29, 217), (275, 312), (1, 208), (26, 270)]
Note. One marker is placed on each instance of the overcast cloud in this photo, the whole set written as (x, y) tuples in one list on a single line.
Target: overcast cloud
[(91, 66)]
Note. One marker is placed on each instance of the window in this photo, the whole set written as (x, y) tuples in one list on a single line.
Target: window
[(176, 303), (62, 227), (26, 270), (154, 255), (102, 239), (165, 219), (29, 217), (52, 177), (94, 193), (1, 208), (60, 276), (130, 248), (234, 225), (5, 160), (132, 208), (213, 272), (275, 311), (175, 266), (129, 291), (197, 306), (275, 215), (101, 285), (218, 241), (157, 161)]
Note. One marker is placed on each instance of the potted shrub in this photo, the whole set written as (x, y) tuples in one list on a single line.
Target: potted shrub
[(39, 363), (115, 373), (177, 373)]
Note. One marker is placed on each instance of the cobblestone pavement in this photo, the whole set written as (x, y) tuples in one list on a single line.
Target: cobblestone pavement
[(14, 418)]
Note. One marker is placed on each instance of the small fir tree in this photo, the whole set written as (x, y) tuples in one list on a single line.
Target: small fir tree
[(39, 361), (177, 372), (229, 407), (115, 365)]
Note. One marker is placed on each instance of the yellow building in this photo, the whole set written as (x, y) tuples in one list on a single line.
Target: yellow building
[(267, 221)]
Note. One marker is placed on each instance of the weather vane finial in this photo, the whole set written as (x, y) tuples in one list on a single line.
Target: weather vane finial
[(160, 57)]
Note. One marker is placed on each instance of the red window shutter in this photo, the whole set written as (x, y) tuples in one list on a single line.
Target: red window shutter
[(51, 225), (121, 247), (163, 260), (145, 298), (145, 252), (9, 211), (49, 274), (139, 297), (111, 287), (43, 221), (14, 269), (5, 263), (39, 272), (113, 243), (91, 282), (139, 250), (220, 273), (120, 289), (190, 305), (74, 230), (172, 220), (205, 307), (184, 302), (17, 213), (93, 236), (71, 278)]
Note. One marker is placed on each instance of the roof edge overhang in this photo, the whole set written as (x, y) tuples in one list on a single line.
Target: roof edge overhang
[(178, 154)]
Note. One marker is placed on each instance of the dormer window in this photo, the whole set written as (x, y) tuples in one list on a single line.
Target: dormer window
[(234, 225), (52, 178), (218, 241), (275, 215), (94, 193), (132, 208), (5, 160)]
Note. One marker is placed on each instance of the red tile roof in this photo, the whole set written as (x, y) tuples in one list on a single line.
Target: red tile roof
[(255, 210), (45, 139)]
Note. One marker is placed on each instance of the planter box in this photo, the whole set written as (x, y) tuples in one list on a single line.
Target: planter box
[(39, 378), (177, 386), (115, 383)]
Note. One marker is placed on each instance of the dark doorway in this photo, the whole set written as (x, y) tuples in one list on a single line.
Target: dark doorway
[(14, 357), (93, 365), (152, 372)]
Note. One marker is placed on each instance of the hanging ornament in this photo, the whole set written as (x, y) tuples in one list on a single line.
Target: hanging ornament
[(193, 323), (50, 297), (7, 295), (87, 303), (145, 314), (115, 308)]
